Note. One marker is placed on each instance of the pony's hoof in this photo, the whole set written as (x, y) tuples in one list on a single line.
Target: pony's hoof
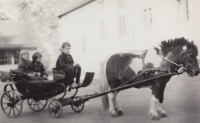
[(120, 113), (155, 117), (163, 115), (114, 115)]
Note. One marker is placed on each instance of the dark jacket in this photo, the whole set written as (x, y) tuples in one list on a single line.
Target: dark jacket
[(38, 67), (64, 60), (25, 67)]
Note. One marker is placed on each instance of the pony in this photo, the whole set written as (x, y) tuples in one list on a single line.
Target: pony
[(120, 67)]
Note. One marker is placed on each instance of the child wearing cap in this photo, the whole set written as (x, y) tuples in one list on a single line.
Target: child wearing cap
[(65, 63), (37, 66)]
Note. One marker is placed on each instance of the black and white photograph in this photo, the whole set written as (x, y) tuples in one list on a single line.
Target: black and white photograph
[(99, 61)]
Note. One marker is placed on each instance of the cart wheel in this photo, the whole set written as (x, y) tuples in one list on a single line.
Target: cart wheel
[(11, 104), (37, 105), (77, 106), (52, 99), (55, 109)]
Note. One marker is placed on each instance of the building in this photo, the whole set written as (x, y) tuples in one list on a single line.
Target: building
[(10, 54), (14, 38), (98, 28)]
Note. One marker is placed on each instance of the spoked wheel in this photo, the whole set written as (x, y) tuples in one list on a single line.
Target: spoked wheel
[(78, 105), (11, 104), (37, 105), (55, 109), (52, 99)]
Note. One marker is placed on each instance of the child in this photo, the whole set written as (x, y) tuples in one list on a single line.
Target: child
[(65, 63), (24, 65), (37, 66)]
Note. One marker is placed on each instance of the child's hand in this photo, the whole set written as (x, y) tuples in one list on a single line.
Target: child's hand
[(143, 54), (75, 64), (36, 73), (31, 74), (46, 77)]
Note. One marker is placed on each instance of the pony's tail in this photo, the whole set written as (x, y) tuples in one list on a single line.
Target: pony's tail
[(104, 87)]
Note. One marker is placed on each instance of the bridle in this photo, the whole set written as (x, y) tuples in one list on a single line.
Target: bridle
[(183, 59)]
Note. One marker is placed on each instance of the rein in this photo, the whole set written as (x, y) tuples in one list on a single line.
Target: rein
[(145, 71), (173, 62)]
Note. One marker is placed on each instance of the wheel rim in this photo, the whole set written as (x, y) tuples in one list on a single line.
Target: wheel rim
[(37, 105), (77, 106), (52, 99), (11, 104), (55, 109)]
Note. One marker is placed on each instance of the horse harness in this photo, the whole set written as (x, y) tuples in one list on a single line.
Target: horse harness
[(165, 69)]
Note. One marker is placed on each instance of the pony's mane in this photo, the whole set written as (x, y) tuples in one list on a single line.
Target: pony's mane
[(167, 46)]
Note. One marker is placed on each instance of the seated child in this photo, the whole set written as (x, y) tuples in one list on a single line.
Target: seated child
[(65, 63), (24, 66), (37, 66)]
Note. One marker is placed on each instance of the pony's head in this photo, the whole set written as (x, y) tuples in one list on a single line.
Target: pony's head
[(182, 52), (189, 59)]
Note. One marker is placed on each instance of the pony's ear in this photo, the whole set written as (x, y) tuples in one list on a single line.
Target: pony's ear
[(188, 45), (192, 42), (157, 50)]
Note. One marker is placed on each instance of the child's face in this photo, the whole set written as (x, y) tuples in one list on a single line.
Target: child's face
[(25, 56), (38, 59), (66, 49)]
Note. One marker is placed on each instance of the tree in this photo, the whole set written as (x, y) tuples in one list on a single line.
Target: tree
[(42, 12)]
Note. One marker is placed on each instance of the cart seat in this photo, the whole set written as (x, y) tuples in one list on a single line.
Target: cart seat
[(88, 79)]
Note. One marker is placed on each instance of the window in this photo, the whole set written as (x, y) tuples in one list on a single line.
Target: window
[(8, 57), (122, 26), (187, 10), (102, 30), (183, 7), (101, 5), (148, 18), (121, 4)]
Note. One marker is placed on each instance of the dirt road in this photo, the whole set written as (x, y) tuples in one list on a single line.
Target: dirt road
[(182, 103)]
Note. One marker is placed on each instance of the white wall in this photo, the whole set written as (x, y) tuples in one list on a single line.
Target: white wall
[(83, 26)]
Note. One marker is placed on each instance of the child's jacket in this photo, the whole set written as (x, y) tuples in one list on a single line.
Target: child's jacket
[(64, 60), (25, 67), (38, 67)]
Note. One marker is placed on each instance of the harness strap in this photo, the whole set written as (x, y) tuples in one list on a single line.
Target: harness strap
[(143, 57), (145, 72), (158, 69), (173, 62)]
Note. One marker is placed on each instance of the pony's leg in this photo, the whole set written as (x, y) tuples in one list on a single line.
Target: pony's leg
[(161, 111), (156, 109), (111, 105), (116, 105), (153, 113)]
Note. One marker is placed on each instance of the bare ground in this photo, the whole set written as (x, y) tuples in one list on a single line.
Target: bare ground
[(182, 103)]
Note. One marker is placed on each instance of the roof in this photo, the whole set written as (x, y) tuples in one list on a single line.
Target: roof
[(18, 35), (8, 46), (74, 5)]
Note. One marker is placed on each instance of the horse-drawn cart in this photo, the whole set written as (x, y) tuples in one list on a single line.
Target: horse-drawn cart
[(39, 92)]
